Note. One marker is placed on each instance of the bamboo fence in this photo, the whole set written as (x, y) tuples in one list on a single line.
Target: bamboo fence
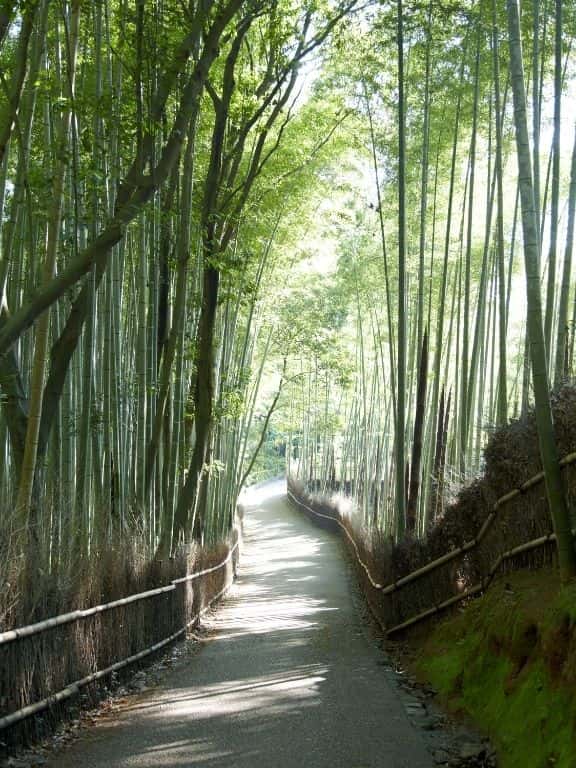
[(179, 595), (453, 555)]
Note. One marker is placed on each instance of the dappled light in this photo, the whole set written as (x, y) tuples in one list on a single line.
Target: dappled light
[(285, 660), (256, 245)]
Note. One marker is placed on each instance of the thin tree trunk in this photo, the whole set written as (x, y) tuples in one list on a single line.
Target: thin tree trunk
[(9, 117), (264, 430), (466, 375), (554, 212), (24, 498), (401, 399), (561, 368), (411, 510), (546, 436), (502, 409)]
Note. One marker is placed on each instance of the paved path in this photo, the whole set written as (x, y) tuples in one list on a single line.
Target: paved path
[(290, 677)]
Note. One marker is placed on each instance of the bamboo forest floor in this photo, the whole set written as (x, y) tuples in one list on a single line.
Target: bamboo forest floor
[(288, 673)]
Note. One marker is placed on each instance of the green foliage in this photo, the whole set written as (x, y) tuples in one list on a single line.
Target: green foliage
[(231, 404), (502, 662), (271, 461)]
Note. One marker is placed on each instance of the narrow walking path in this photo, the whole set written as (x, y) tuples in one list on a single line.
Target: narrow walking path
[(289, 676)]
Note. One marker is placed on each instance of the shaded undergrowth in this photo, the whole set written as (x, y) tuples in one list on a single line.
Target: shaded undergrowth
[(508, 660)]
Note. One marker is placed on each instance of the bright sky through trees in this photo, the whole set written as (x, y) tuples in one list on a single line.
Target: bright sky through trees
[(203, 266)]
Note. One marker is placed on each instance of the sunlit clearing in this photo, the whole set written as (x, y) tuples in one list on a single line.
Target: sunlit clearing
[(258, 494)]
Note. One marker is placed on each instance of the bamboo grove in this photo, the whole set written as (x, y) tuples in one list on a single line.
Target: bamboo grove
[(465, 114), (171, 171), (138, 141)]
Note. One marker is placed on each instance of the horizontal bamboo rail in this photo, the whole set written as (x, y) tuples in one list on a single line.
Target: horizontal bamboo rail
[(477, 588), (67, 618), (32, 709), (454, 553), (71, 690)]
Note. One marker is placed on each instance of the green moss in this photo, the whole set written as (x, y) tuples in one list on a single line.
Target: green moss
[(507, 662), (565, 603)]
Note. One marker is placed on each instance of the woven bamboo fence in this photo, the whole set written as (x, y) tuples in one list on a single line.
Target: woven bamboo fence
[(43, 665), (515, 533)]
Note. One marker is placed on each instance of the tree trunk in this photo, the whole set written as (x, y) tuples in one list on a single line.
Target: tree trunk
[(414, 487), (561, 369), (401, 398), (546, 436)]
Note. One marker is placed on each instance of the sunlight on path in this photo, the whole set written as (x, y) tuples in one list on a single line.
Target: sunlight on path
[(289, 675)]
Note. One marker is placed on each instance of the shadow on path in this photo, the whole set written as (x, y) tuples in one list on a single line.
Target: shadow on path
[(288, 676)]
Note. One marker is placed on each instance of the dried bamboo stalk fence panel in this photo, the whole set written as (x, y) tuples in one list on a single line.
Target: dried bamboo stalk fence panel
[(46, 663), (513, 531)]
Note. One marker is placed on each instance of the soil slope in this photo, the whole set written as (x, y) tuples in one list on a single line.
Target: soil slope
[(508, 661)]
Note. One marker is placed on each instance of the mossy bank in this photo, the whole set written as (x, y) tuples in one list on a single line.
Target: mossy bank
[(508, 661)]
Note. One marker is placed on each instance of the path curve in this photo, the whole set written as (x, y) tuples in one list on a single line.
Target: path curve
[(290, 676)]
